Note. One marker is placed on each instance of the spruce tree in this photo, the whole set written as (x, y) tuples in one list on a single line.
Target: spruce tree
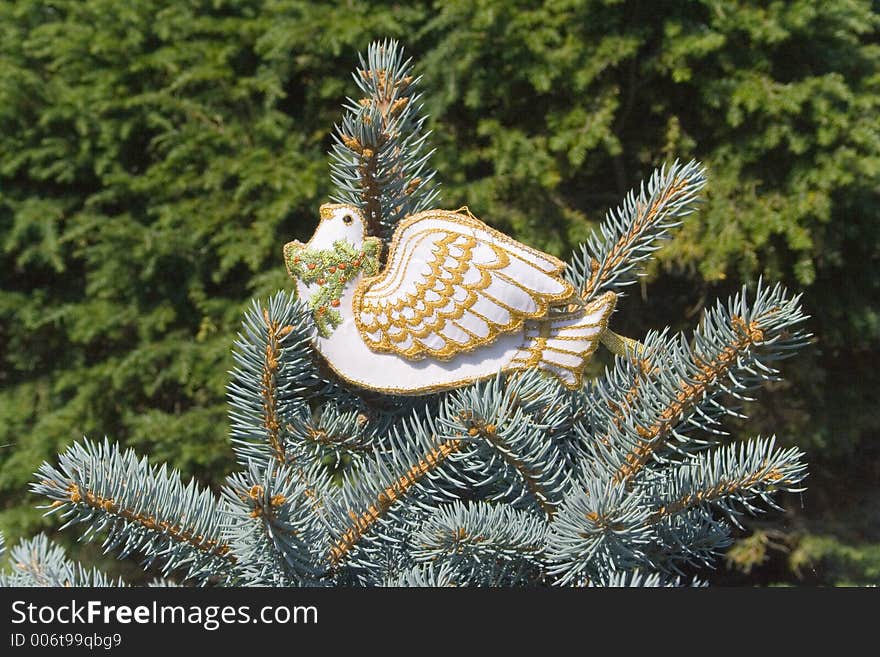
[(513, 480)]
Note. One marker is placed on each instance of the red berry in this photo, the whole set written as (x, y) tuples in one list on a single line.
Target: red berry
[(335, 303), (332, 270), (311, 265), (342, 265), (321, 281)]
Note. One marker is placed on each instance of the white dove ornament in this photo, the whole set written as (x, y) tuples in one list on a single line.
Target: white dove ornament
[(456, 302)]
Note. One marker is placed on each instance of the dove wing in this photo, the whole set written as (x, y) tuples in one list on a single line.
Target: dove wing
[(452, 284)]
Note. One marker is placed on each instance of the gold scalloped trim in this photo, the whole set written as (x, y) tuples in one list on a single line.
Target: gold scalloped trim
[(429, 318), (516, 363), (535, 350)]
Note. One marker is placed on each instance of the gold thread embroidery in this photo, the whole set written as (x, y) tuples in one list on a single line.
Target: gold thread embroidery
[(515, 364), (566, 351), (376, 315), (457, 248), (536, 344)]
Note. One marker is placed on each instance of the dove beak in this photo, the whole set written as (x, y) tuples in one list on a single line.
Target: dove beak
[(326, 211)]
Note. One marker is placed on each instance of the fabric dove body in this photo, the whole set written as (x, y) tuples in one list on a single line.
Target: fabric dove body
[(456, 302)]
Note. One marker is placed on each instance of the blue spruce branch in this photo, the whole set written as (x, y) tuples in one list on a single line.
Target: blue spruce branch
[(731, 479), (629, 235), (668, 519), (140, 508), (650, 403), (274, 377), (271, 525), (511, 421), (423, 576), (375, 510), (601, 527), (39, 562), (484, 544), (641, 579), (379, 159)]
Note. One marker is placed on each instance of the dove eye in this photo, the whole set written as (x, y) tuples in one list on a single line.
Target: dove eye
[(347, 219)]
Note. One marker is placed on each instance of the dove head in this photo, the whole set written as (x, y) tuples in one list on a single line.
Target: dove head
[(329, 266), (339, 222)]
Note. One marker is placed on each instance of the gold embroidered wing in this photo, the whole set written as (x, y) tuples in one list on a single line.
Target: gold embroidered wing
[(452, 284)]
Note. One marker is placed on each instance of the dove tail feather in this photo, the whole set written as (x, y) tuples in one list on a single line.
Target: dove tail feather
[(563, 346)]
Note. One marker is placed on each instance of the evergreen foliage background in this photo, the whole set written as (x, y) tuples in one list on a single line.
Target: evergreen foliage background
[(154, 157)]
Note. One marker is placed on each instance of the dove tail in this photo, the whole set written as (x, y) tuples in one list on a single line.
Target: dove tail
[(563, 346)]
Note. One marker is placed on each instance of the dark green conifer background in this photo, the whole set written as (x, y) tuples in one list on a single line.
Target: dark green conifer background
[(155, 156)]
